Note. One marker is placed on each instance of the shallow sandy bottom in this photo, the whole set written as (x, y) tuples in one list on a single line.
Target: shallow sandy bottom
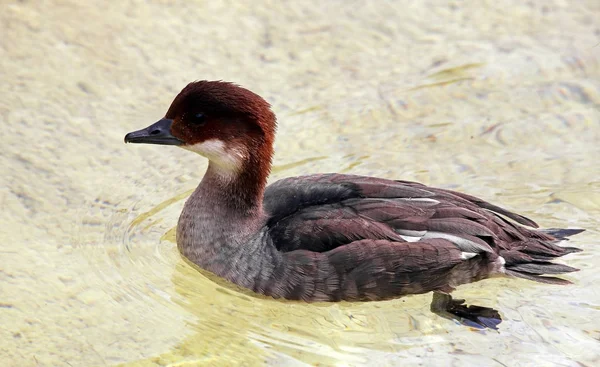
[(499, 99)]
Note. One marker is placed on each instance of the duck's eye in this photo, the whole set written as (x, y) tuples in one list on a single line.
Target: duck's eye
[(198, 118)]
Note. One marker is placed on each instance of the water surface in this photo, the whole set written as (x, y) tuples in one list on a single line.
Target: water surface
[(500, 100)]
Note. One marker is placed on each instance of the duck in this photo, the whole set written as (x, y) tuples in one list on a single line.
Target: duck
[(333, 237)]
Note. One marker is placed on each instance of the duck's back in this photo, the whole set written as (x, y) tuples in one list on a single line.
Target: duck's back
[(381, 238)]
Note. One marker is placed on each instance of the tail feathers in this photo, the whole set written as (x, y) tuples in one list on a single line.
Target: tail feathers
[(540, 250), (561, 234), (537, 278), (536, 269), (532, 259), (541, 268), (548, 257)]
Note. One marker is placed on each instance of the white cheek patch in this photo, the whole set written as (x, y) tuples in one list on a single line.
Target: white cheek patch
[(227, 158)]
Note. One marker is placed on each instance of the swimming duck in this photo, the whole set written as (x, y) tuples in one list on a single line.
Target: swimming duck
[(335, 237)]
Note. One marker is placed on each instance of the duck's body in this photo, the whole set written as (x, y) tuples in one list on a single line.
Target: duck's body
[(339, 237), (332, 237)]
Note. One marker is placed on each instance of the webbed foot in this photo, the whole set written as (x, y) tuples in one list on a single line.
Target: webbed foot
[(473, 316)]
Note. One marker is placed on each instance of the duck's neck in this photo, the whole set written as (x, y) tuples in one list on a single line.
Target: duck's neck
[(224, 213)]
